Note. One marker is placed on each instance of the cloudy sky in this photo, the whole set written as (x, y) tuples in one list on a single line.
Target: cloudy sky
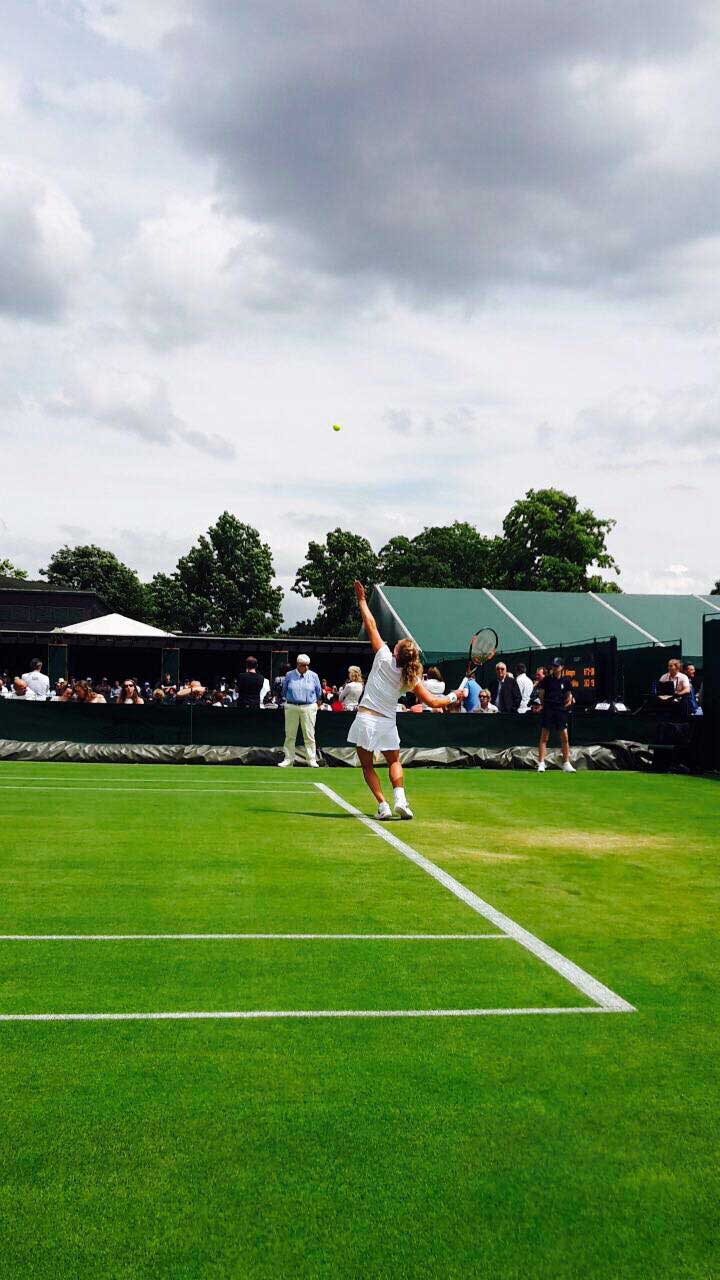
[(483, 235)]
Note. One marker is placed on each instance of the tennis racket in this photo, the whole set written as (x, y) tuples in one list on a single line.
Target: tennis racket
[(483, 647)]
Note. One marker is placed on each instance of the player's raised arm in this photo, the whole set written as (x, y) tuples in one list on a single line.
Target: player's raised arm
[(368, 620)]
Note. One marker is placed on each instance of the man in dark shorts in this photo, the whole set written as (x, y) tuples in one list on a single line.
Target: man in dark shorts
[(556, 698)]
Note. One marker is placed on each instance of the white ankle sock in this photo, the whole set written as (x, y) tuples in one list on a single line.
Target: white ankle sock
[(399, 795)]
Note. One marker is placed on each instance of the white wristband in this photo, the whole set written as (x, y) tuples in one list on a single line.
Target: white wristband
[(452, 698)]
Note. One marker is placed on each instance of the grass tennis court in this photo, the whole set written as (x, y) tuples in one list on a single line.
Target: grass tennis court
[(480, 1141)]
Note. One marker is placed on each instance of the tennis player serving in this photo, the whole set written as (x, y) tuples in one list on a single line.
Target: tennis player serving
[(374, 727)]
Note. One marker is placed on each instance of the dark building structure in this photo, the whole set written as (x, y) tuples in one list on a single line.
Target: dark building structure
[(37, 606)]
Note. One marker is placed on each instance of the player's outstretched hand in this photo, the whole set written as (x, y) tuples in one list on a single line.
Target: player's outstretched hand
[(359, 591), (460, 694)]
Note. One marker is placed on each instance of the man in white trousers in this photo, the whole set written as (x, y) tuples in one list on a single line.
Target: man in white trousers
[(302, 694)]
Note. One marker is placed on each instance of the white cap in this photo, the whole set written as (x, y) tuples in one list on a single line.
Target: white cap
[(303, 657)]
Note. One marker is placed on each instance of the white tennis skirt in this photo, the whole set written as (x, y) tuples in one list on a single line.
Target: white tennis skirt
[(374, 733)]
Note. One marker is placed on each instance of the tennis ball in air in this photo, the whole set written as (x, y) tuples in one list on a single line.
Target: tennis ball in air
[(336, 426)]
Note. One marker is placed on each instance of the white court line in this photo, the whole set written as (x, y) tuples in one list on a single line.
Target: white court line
[(249, 1014), (252, 937), (180, 790), (577, 977)]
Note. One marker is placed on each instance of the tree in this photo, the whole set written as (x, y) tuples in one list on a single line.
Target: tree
[(91, 568), (9, 570), (549, 544), (328, 573), (716, 589), (455, 555), (223, 585)]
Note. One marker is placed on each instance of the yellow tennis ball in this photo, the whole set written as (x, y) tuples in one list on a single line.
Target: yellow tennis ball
[(336, 426)]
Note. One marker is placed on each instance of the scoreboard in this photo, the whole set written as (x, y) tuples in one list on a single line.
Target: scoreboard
[(582, 666)]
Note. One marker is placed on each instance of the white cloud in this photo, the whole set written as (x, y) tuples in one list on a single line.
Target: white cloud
[(137, 24), (44, 247), (134, 404), (192, 270)]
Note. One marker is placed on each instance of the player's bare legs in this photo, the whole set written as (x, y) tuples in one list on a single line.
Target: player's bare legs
[(370, 774), (565, 745), (402, 808), (544, 735)]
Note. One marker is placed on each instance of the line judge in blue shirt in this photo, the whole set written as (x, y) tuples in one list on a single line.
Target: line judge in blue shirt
[(302, 694)]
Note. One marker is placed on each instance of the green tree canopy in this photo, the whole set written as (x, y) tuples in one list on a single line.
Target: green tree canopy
[(328, 573), (9, 570), (91, 568), (223, 585), (716, 589), (454, 555), (550, 544)]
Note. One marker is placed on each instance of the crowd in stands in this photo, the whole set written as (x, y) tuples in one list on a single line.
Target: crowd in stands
[(508, 693)]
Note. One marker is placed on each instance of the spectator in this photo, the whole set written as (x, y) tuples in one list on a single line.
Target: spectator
[(677, 687), (22, 691), (350, 693), (115, 690), (36, 681), (302, 695), (525, 685), (695, 688), (472, 695), (250, 687), (104, 688), (327, 695), (192, 694), (435, 685), (556, 699), (692, 675), (218, 698), (504, 692), (84, 693), (158, 697), (278, 685), (485, 707), (434, 682), (535, 703), (129, 693), (4, 691)]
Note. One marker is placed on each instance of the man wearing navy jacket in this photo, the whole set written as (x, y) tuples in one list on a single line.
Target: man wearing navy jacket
[(555, 692)]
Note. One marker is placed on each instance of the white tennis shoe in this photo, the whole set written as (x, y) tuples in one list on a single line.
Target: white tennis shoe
[(285, 764), (314, 764), (541, 767), (403, 810), (568, 767), (383, 812)]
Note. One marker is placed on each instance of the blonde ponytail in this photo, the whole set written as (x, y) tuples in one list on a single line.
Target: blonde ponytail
[(408, 660)]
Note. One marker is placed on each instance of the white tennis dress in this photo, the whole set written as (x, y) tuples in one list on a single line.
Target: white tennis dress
[(383, 687)]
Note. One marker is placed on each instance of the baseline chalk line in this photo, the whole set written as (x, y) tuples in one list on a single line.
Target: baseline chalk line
[(250, 1014), (254, 937), (577, 977)]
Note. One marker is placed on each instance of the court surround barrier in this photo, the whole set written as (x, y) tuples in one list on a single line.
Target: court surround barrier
[(193, 734), (711, 691)]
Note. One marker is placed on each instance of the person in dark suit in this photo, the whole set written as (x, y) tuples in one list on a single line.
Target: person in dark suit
[(504, 692)]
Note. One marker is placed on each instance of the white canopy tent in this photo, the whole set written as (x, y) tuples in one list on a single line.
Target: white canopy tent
[(111, 624)]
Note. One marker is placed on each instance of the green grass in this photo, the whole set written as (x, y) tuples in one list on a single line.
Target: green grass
[(530, 1146)]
